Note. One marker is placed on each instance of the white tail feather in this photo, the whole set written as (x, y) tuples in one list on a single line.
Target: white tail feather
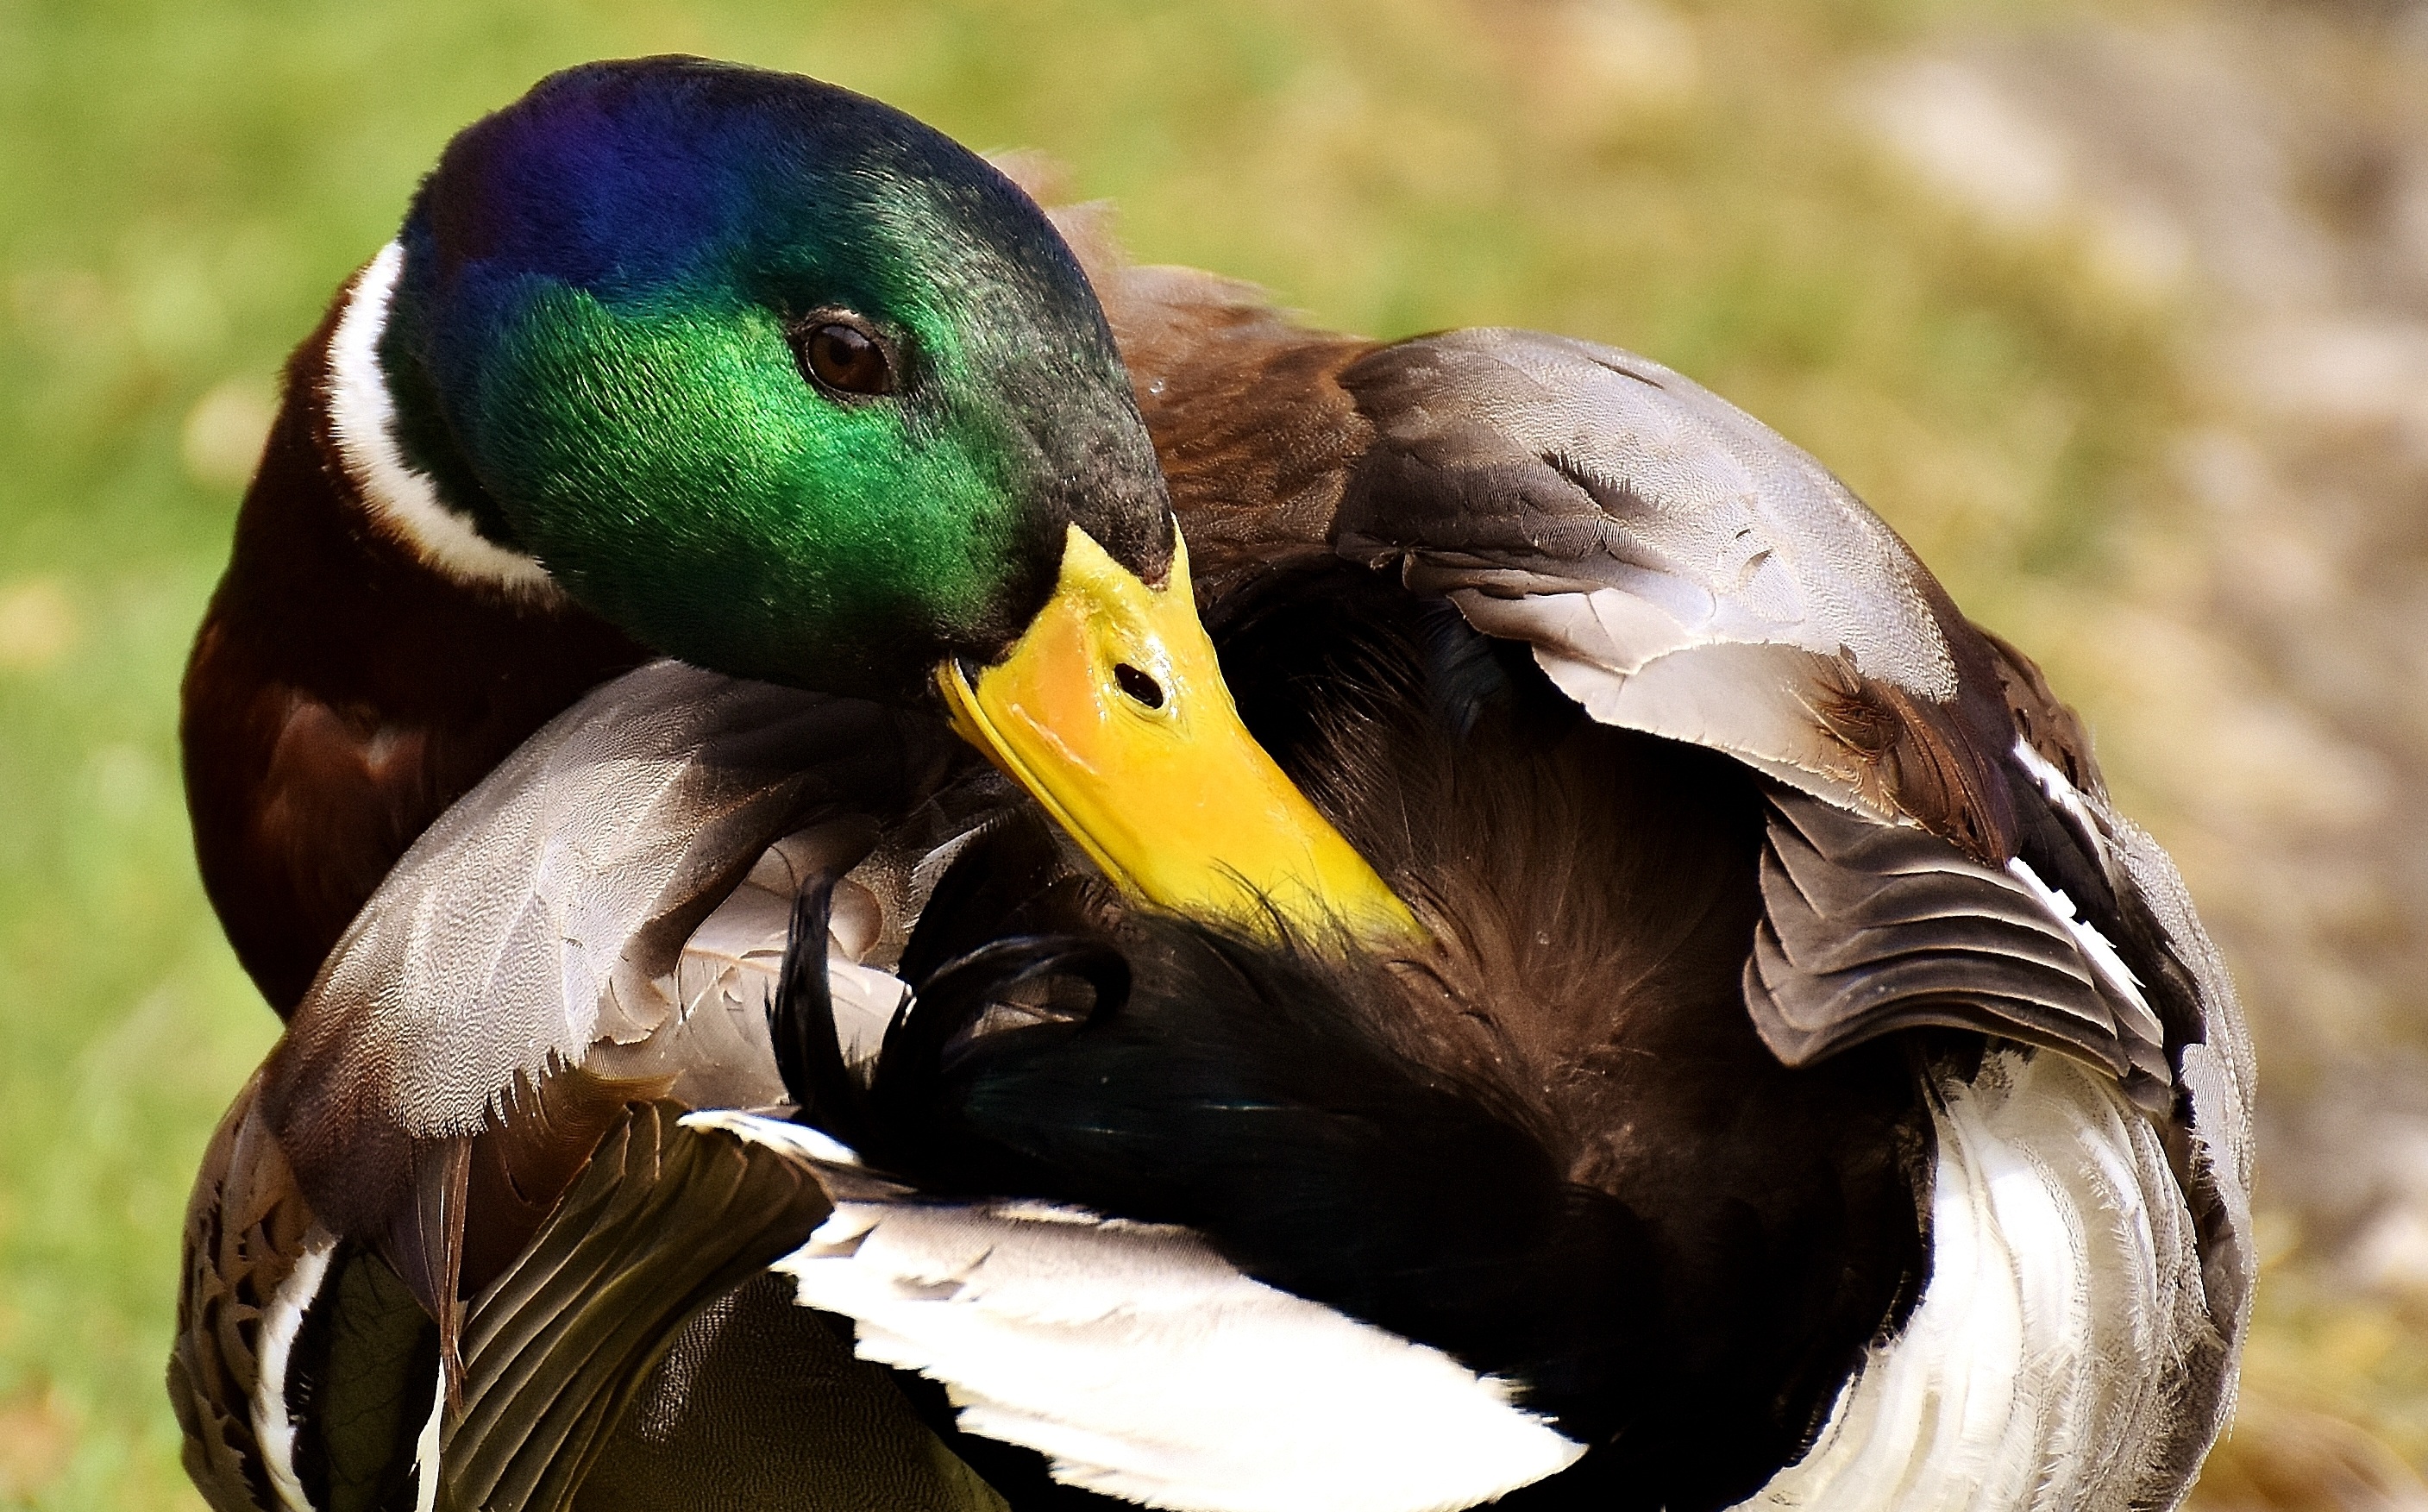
[(2034, 1375)]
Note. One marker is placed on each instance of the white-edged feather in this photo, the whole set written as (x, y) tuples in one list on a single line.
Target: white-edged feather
[(778, 1134), (2071, 801), (2095, 948), (2216, 1074), (426, 1447), (2041, 1370), (274, 1426), (1143, 1364), (362, 413), (2063, 794)]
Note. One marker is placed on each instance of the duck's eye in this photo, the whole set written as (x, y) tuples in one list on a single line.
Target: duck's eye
[(1140, 686), (844, 358)]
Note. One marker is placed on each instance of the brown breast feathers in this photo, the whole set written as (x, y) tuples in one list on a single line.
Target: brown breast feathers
[(341, 695)]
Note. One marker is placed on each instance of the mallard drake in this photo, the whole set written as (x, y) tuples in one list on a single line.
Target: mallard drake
[(614, 387), (1737, 1055)]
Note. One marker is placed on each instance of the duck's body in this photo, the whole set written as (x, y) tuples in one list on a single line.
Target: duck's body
[(1752, 1103)]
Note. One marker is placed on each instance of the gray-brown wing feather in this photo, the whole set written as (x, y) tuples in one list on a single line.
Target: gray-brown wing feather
[(547, 914), (1629, 523), (1868, 929), (542, 910), (1511, 447)]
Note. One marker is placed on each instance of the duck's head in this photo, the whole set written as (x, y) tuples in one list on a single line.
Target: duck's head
[(786, 384), (771, 376)]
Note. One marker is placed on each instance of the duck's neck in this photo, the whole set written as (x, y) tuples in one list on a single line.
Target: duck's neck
[(367, 658)]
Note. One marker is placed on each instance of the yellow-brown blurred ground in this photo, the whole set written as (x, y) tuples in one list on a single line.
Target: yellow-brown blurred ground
[(2119, 312)]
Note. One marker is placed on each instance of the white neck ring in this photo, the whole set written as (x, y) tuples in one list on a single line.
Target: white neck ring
[(399, 498)]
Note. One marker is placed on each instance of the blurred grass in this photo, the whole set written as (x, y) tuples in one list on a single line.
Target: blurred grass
[(181, 185)]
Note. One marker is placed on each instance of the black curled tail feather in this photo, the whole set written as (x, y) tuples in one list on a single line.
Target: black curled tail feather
[(915, 1122), (1010, 878), (801, 1025), (953, 998)]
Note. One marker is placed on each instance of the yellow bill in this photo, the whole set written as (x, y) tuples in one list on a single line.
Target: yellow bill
[(1113, 711)]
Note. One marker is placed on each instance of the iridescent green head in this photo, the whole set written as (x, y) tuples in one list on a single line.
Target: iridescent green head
[(770, 375)]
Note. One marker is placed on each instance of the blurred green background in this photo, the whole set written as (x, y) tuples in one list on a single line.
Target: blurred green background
[(1894, 228)]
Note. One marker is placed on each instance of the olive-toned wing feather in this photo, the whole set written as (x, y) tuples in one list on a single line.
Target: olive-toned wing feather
[(305, 1370), (665, 1220), (761, 1407)]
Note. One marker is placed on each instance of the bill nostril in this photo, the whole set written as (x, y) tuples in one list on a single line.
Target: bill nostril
[(1141, 688)]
